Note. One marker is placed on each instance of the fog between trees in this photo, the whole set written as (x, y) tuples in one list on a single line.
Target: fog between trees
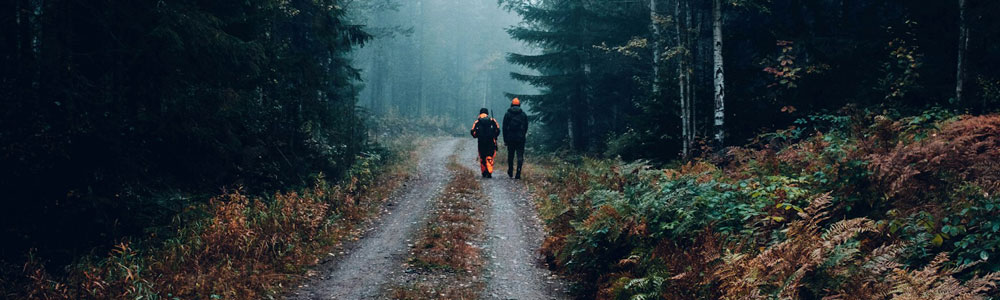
[(437, 61)]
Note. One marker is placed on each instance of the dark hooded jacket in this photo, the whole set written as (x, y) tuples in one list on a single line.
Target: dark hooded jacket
[(515, 125)]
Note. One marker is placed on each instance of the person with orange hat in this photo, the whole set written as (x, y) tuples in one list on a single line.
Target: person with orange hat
[(515, 131), (486, 130)]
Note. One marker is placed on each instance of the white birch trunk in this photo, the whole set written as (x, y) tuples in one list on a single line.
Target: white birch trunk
[(681, 83), (720, 85)]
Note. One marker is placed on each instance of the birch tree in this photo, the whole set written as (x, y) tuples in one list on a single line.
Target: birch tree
[(681, 50), (719, 72)]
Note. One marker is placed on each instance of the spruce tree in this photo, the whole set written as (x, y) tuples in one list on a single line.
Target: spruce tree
[(559, 28), (586, 92)]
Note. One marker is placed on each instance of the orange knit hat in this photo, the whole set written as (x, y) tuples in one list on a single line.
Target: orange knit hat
[(516, 102)]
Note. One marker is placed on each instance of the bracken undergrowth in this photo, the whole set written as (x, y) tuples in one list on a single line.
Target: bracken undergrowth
[(234, 246), (862, 206)]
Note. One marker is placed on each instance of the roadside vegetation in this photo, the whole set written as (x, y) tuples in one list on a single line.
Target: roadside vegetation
[(446, 260), (852, 206), (234, 246), (162, 149)]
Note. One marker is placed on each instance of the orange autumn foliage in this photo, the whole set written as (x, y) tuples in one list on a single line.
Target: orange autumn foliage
[(964, 151)]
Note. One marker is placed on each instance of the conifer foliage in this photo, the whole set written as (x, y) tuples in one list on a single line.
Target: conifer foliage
[(114, 111), (580, 86), (638, 78)]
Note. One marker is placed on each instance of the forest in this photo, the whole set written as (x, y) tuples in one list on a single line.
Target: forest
[(677, 149)]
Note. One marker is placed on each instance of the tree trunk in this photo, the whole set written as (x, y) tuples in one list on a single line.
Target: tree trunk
[(421, 95), (24, 54), (655, 30), (963, 45), (378, 78), (570, 132), (588, 113), (720, 85), (682, 83), (579, 111), (694, 57), (9, 37)]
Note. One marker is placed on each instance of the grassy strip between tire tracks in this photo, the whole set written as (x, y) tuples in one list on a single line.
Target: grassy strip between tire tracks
[(445, 261)]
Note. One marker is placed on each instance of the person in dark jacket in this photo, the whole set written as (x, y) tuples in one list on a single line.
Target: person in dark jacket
[(515, 129), (486, 130)]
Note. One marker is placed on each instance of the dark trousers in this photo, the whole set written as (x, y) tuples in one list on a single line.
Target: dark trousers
[(487, 151), (512, 148)]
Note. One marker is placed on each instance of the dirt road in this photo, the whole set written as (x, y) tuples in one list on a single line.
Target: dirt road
[(363, 271), (513, 230)]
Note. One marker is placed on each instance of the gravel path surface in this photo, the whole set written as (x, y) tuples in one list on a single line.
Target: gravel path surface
[(362, 273), (514, 234)]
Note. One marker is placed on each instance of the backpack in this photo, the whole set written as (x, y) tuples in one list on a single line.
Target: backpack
[(516, 125), (486, 130)]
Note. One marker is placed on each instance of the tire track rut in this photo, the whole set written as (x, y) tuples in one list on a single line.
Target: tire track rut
[(363, 272), (514, 234)]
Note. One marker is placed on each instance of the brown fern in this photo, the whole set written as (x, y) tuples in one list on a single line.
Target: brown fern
[(964, 151), (784, 266), (936, 282)]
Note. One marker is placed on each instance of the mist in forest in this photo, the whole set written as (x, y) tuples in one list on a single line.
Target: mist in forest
[(437, 61), (197, 149)]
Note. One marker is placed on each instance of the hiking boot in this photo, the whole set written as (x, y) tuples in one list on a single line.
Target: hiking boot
[(484, 174), (510, 173), (518, 175), (489, 175)]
